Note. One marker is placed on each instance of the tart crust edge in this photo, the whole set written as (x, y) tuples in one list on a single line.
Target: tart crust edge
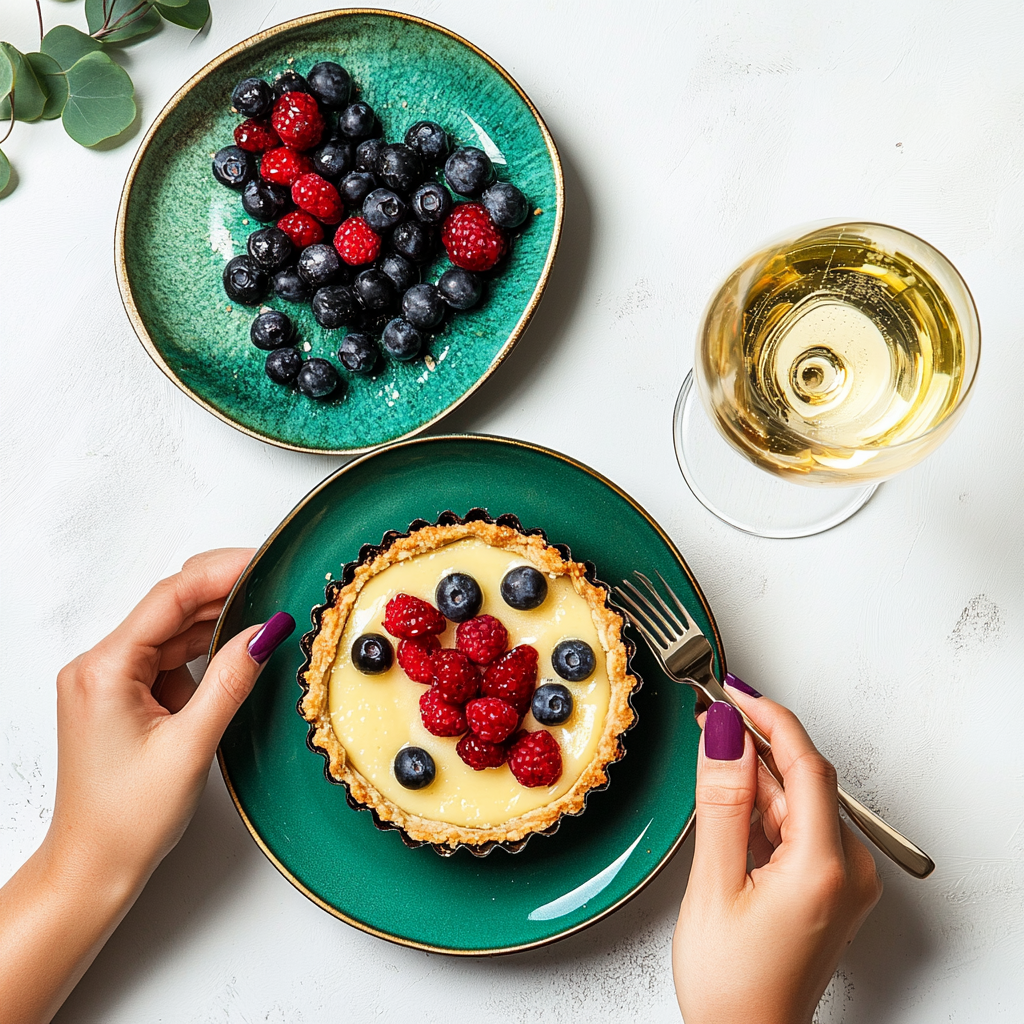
[(545, 557)]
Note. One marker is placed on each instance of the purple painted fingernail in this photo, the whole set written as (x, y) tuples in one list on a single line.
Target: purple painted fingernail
[(723, 732), (737, 684), (275, 631)]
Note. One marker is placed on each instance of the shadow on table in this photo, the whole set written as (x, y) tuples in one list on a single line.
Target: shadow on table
[(186, 890), (568, 274)]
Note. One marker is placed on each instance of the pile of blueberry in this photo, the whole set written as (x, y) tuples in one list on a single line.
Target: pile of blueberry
[(350, 221)]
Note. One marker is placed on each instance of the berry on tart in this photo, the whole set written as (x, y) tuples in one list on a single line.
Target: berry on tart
[(414, 657), (482, 639)]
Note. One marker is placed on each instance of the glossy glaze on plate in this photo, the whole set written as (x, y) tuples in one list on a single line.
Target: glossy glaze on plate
[(177, 228), (461, 904)]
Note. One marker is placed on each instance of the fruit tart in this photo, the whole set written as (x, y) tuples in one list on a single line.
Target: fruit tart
[(468, 683)]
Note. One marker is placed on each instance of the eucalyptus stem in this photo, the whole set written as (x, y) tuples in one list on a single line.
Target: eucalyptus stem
[(39, 13), (10, 127)]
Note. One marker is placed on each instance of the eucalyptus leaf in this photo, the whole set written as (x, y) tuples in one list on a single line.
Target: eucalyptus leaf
[(66, 45), (100, 103), (6, 73), (5, 171), (29, 98), (173, 3), (137, 24), (194, 14), (53, 81)]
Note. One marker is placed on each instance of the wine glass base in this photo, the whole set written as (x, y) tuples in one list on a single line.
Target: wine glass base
[(745, 497)]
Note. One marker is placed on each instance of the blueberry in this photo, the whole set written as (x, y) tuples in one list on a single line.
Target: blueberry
[(372, 653), (414, 768), (414, 241), (400, 270), (431, 203), (524, 588), (288, 285), (400, 167), (375, 290), (357, 121), (271, 248), (423, 306), (283, 365), (368, 155), (271, 330), (458, 597), (335, 306), (358, 353), (468, 171), (573, 660), (252, 97), (430, 140), (289, 81), (552, 704), (330, 84), (319, 264), (333, 159), (505, 204), (244, 282), (356, 186), (317, 378), (233, 167), (401, 340), (461, 289), (264, 200), (382, 210)]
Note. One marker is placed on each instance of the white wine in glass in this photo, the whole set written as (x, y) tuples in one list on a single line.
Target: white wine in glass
[(836, 358)]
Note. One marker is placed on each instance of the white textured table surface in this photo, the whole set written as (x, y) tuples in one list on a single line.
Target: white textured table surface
[(689, 133)]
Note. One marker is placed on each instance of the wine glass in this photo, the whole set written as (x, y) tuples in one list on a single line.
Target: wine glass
[(833, 359)]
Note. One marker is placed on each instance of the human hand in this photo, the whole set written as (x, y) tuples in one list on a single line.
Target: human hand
[(135, 739), (763, 945), (135, 736)]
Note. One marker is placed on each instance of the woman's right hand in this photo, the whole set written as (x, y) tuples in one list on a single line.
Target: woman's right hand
[(762, 945)]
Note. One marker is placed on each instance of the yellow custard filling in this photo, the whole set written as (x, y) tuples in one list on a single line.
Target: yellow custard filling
[(375, 716)]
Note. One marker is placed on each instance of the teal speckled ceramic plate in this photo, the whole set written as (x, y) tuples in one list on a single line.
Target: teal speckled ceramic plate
[(333, 854), (177, 227)]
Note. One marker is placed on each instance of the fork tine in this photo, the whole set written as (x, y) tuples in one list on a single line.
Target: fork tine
[(669, 614), (640, 619), (678, 603), (644, 631), (652, 613)]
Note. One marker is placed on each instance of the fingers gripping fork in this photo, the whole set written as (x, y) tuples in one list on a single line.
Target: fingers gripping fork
[(687, 657)]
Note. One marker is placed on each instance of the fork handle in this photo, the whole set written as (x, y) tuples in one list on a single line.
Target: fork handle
[(896, 846)]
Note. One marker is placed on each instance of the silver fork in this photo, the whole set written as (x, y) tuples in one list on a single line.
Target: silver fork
[(687, 657)]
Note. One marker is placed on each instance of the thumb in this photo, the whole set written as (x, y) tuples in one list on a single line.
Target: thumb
[(726, 787), (229, 679)]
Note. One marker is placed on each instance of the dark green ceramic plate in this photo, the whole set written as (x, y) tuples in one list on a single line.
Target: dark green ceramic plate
[(177, 228), (462, 904)]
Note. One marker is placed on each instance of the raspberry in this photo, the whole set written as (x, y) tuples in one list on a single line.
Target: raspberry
[(472, 241), (297, 120), (408, 617), (255, 136), (512, 677), (357, 243), (414, 657), (317, 196), (301, 228), (284, 165), (481, 639), (535, 759), (492, 719), (439, 717), (479, 754), (456, 678)]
